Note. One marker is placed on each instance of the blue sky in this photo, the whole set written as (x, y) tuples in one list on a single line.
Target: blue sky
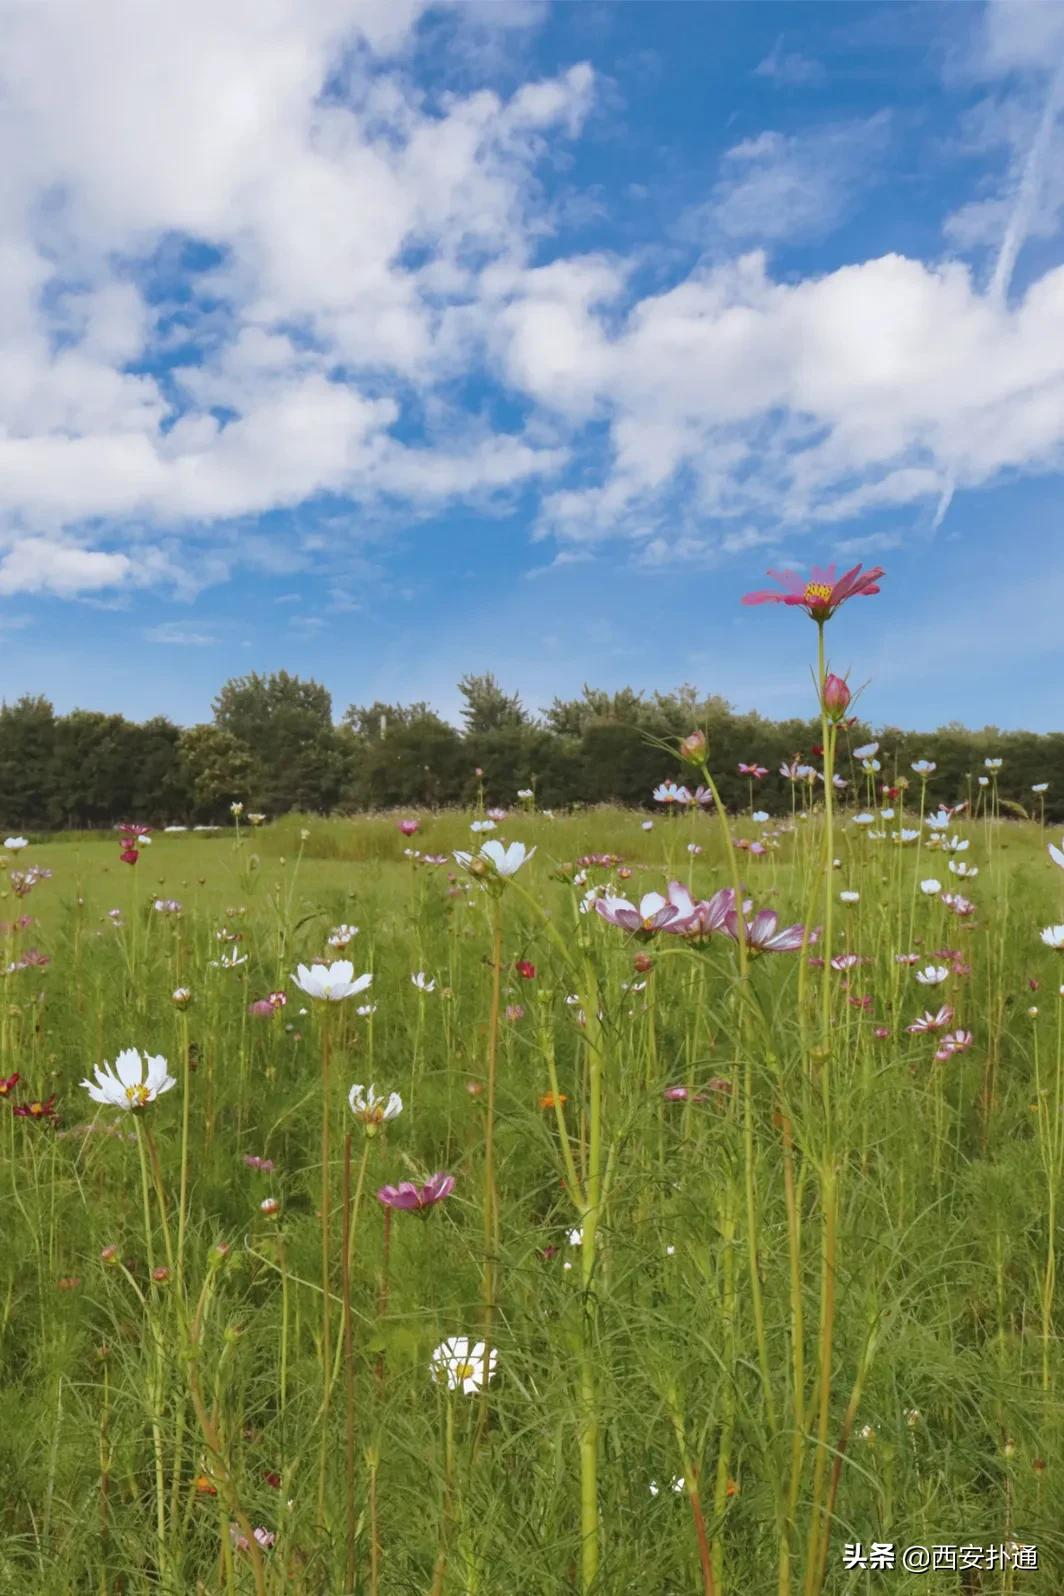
[(390, 341)]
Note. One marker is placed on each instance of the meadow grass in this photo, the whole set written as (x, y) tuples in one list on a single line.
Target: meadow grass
[(819, 1285)]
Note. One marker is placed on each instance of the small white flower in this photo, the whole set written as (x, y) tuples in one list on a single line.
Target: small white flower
[(955, 844), (932, 974), (694, 849), (229, 961), (849, 897), (760, 816), (482, 825), (866, 751), (466, 1368), (992, 764), (864, 819), (505, 861), (15, 843), (867, 1433), (330, 983), (938, 821), (923, 767), (648, 825), (422, 982), (576, 1237), (984, 781), (341, 935), (132, 1083), (366, 1009), (959, 868), (871, 766), (236, 809), (372, 1110), (1040, 786), (906, 835), (1057, 855), (886, 814), (676, 1485), (525, 792), (930, 887), (1053, 936)]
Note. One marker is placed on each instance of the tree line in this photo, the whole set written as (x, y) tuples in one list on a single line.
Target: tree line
[(272, 743)]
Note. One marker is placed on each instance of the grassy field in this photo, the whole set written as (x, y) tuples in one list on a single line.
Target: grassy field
[(721, 1217)]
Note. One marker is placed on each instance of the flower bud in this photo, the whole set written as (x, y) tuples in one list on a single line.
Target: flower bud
[(693, 748), (836, 697)]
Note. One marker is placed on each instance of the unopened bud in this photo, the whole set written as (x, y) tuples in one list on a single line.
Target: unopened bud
[(836, 697), (693, 748)]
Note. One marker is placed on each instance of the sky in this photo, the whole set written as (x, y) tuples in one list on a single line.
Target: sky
[(383, 341)]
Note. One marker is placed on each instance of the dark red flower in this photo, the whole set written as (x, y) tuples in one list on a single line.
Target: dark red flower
[(36, 1109), (8, 1083), (525, 969)]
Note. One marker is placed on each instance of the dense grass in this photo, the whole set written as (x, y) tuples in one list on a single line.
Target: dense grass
[(933, 1187)]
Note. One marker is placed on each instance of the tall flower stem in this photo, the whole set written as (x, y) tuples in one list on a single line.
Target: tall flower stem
[(156, 1387), (182, 1198), (491, 1214), (326, 1327)]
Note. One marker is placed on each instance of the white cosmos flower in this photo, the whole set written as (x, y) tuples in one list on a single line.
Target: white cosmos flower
[(330, 983), (866, 751), (932, 974), (959, 868), (760, 816), (938, 821), (886, 814), (422, 982), (849, 897), (236, 808), (525, 792), (955, 844), (1053, 936), (648, 825), (482, 825), (871, 766), (906, 835), (984, 781), (366, 1009), (506, 861), (992, 764), (466, 1367), (923, 767), (930, 886), (15, 843), (1040, 786), (341, 935), (131, 1083), (1057, 855), (372, 1110), (864, 819), (229, 961)]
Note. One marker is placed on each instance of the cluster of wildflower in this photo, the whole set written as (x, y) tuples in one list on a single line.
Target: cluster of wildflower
[(679, 914), (132, 840), (22, 882)]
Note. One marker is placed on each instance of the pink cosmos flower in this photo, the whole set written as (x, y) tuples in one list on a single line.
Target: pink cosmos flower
[(417, 1198), (953, 1042), (653, 912), (931, 1022), (846, 961), (680, 1094), (753, 770), (762, 935), (881, 1032), (821, 594), (408, 827)]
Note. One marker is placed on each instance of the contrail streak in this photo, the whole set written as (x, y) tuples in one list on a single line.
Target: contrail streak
[(1016, 230)]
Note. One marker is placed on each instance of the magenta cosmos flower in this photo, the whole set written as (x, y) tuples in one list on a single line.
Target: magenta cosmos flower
[(753, 770), (820, 594), (762, 935), (407, 1195)]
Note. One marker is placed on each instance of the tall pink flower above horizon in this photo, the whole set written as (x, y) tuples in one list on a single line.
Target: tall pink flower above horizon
[(820, 594)]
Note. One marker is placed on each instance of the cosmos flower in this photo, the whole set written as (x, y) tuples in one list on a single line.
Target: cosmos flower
[(422, 982), (762, 935), (132, 1083), (653, 912), (482, 825), (1053, 936), (408, 827), (13, 844), (1057, 855), (407, 1195), (849, 897), (464, 1367), (821, 593), (930, 887), (8, 1083), (330, 983), (756, 771), (953, 1042), (923, 767), (932, 1022), (866, 751), (341, 935), (932, 974), (504, 861), (1039, 786), (43, 1112), (372, 1110)]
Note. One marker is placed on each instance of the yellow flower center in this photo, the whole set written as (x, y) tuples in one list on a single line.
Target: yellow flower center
[(138, 1095), (465, 1371), (817, 593)]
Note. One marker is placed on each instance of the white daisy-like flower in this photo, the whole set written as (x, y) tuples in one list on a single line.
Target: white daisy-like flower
[(955, 844), (1057, 854), (923, 767), (132, 1082), (1040, 786), (866, 751), (229, 961), (330, 983), (886, 814), (992, 764), (504, 861), (422, 981), (931, 974), (930, 887), (15, 843), (366, 1009), (959, 868), (849, 897), (864, 819), (465, 1366), (984, 781), (372, 1110), (236, 809), (871, 766), (525, 792), (906, 835), (341, 935), (760, 816), (648, 825), (938, 821), (482, 825), (1053, 936)]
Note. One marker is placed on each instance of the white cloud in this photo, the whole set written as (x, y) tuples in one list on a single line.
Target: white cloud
[(39, 565), (792, 186), (791, 67), (179, 636)]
